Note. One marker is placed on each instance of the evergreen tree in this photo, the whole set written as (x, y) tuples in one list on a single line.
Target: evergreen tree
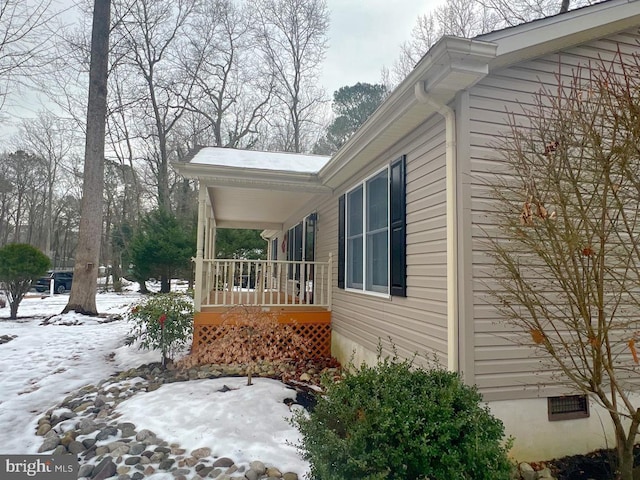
[(235, 243), (161, 247), (352, 106)]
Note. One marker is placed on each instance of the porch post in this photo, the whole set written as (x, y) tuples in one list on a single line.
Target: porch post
[(330, 281), (202, 218)]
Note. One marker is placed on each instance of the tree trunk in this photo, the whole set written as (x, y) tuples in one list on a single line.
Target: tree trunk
[(13, 307), (165, 283), (85, 273), (625, 467), (564, 7), (116, 274), (624, 449)]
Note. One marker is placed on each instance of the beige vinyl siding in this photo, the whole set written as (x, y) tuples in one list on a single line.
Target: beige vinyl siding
[(503, 368), (417, 323)]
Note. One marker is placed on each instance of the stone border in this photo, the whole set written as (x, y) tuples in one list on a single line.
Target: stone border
[(85, 424)]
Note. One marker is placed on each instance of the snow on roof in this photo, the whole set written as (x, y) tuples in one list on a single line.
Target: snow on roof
[(284, 161)]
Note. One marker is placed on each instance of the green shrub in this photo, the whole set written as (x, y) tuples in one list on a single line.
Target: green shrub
[(20, 265), (397, 421), (162, 322)]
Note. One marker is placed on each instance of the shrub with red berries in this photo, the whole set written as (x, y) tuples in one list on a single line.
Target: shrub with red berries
[(162, 322)]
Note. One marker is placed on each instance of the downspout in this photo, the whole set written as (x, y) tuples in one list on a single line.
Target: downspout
[(202, 215), (451, 160)]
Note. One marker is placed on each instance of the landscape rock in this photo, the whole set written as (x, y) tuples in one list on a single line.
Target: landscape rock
[(135, 455), (76, 447), (85, 470), (258, 467), (223, 462), (145, 434), (43, 429), (86, 426), (60, 450), (106, 433), (545, 473), (104, 469), (49, 444), (252, 475), (136, 449), (201, 453), (527, 472), (273, 472), (166, 464)]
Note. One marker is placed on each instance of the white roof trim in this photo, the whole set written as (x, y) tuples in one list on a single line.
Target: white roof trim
[(252, 159), (452, 64), (220, 175), (550, 34)]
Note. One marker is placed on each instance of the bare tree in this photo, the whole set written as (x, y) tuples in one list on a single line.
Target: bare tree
[(53, 140), (151, 39), (516, 12), (83, 291), (568, 249), (460, 18), (293, 35), (469, 18), (6, 199), (229, 94), (22, 179), (23, 41)]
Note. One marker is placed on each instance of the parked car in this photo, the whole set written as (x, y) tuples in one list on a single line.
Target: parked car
[(61, 282)]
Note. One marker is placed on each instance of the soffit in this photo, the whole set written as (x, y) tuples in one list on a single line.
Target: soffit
[(262, 209)]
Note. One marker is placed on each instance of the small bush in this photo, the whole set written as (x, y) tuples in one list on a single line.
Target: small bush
[(162, 322), (20, 265), (396, 421)]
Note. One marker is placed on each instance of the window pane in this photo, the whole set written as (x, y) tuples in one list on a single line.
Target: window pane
[(377, 202), (377, 261), (354, 262), (355, 247), (377, 250), (354, 212)]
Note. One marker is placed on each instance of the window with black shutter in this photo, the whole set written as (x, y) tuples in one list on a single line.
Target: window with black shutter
[(341, 239), (372, 233), (398, 229)]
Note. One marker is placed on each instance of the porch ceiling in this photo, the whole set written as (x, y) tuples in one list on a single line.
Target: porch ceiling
[(251, 208)]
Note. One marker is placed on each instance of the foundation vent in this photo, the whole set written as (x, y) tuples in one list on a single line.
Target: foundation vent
[(567, 407)]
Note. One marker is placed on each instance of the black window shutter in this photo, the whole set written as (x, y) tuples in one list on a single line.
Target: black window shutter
[(341, 240), (398, 228)]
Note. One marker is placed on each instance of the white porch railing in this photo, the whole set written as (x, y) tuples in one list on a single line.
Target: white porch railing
[(266, 283)]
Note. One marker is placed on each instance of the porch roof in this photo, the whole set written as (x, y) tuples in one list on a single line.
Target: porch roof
[(251, 189)]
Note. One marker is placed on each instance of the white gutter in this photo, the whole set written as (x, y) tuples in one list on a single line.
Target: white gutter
[(224, 176), (451, 161)]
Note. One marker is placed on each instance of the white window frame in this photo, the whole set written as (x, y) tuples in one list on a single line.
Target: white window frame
[(363, 288)]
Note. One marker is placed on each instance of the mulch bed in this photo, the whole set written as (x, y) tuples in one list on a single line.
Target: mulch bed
[(597, 465)]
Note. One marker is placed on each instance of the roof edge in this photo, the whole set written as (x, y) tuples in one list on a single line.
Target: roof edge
[(451, 61)]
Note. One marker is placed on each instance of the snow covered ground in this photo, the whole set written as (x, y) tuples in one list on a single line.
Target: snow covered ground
[(44, 363)]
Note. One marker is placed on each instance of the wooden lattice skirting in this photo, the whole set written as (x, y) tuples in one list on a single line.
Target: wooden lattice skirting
[(315, 327)]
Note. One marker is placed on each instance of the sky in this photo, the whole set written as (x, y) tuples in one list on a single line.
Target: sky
[(247, 423), (365, 36)]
